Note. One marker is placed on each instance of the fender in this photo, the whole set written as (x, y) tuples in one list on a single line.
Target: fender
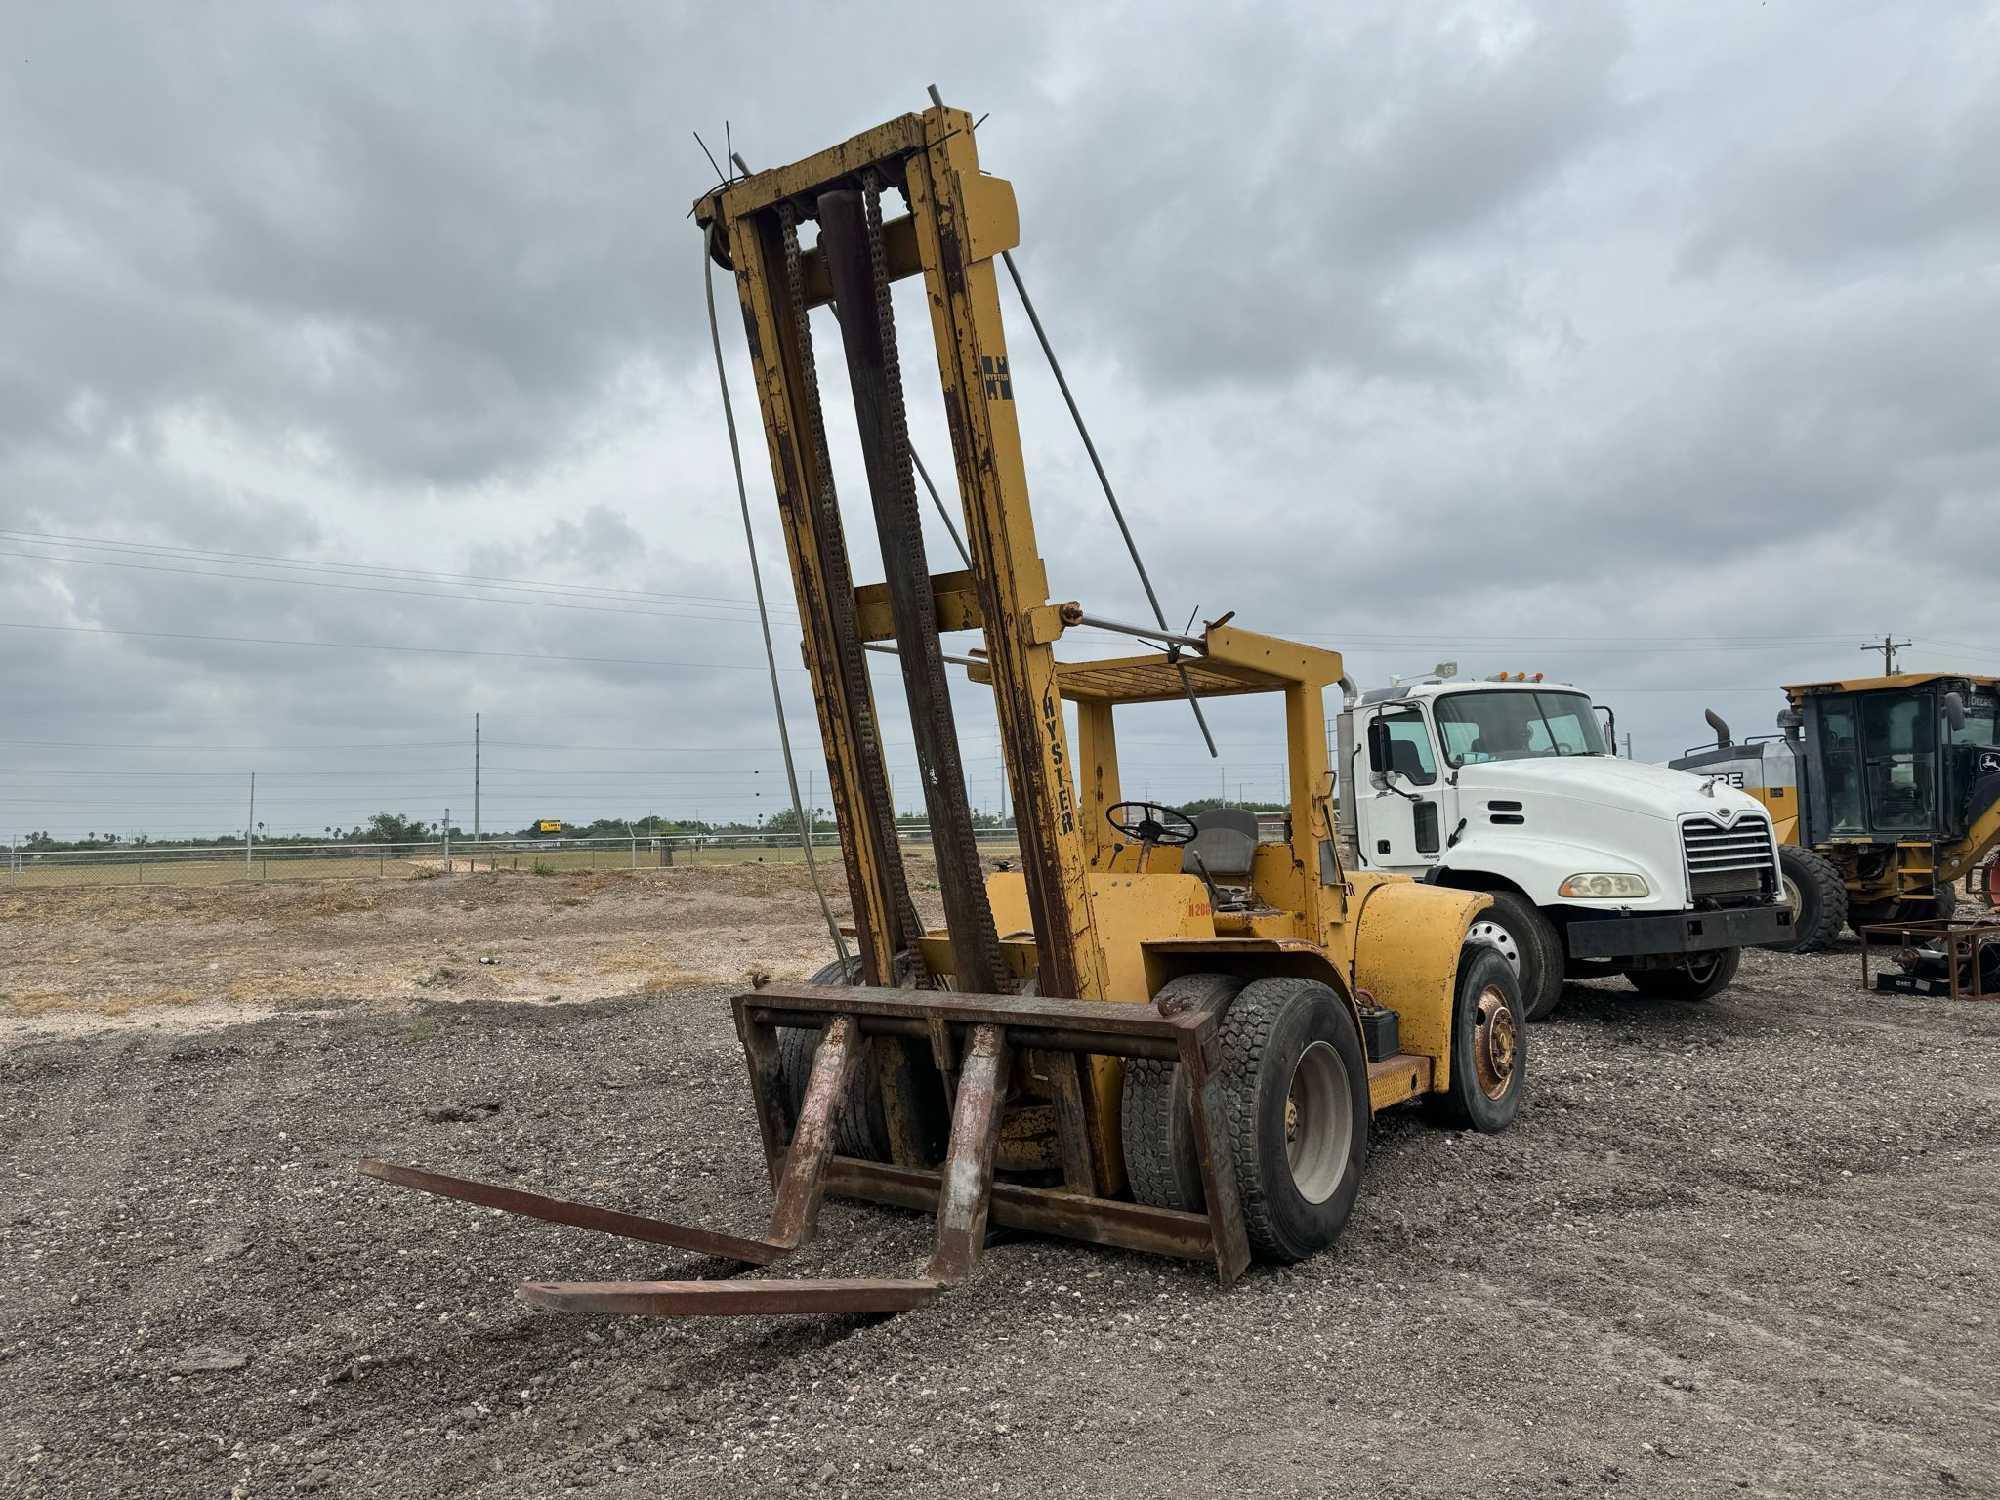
[(1406, 950)]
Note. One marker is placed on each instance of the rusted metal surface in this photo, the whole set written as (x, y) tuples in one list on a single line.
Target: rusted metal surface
[(1112, 1222), (1495, 1042), (723, 1299), (966, 1188), (760, 1058), (850, 240), (1969, 945), (1228, 1238), (1112, 1021), (945, 197), (1072, 1118), (579, 1215), (845, 690), (795, 1208)]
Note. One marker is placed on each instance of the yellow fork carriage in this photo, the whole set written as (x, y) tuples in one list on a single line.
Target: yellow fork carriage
[(1161, 1032)]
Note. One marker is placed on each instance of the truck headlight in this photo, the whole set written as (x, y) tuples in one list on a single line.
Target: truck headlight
[(1601, 884)]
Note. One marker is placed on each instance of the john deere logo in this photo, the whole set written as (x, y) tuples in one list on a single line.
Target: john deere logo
[(1989, 762)]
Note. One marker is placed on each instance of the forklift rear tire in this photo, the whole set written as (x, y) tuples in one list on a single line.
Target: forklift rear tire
[(859, 1128), (1295, 1106), (1699, 976), (1817, 896), (1489, 1046), (1514, 927), (1160, 1155)]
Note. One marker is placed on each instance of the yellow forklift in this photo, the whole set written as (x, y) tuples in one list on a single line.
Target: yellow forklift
[(1160, 1032), (1883, 792)]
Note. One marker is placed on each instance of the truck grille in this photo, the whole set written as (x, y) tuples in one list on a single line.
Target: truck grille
[(1732, 861)]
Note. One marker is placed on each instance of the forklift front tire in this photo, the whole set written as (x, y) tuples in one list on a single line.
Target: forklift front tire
[(1161, 1159), (1295, 1104), (860, 1129)]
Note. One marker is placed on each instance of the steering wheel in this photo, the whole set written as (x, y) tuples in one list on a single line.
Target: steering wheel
[(1150, 823)]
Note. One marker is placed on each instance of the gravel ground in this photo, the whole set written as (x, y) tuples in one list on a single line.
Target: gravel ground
[(1740, 1248)]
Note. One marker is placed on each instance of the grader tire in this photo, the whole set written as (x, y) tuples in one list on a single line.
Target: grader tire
[(859, 1127), (1937, 907), (1160, 1156), (1295, 1107), (1817, 896)]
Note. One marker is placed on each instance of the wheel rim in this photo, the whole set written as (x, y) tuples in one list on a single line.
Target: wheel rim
[(1496, 1042), (1319, 1122), (1489, 934), (1794, 898), (1701, 968)]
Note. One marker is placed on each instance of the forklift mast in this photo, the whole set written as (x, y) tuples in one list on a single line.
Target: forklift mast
[(957, 221)]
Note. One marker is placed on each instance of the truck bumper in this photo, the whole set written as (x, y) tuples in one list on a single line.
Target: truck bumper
[(1679, 932)]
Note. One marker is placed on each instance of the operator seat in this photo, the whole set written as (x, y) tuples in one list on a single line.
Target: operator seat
[(1224, 845)]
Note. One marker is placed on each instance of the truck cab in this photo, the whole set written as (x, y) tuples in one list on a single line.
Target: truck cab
[(1597, 865)]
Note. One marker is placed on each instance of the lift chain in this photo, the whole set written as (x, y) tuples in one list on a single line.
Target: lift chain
[(975, 941), (837, 577)]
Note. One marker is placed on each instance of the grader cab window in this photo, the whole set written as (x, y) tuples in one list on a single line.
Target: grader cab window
[(1840, 755), (1979, 728), (1899, 742)]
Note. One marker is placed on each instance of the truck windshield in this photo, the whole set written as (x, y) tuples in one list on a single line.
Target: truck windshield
[(1513, 725)]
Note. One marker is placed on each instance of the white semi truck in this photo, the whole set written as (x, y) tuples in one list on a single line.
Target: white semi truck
[(1597, 866)]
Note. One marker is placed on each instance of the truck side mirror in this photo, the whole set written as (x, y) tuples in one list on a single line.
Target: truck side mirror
[(1954, 711), (1378, 748)]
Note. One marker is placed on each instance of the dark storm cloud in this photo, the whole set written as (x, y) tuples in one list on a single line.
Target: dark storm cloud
[(1537, 335)]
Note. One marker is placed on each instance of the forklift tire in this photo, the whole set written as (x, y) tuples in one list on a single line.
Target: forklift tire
[(1295, 1106), (1489, 1046), (1160, 1156), (1817, 896), (859, 1127), (1514, 927), (1699, 976)]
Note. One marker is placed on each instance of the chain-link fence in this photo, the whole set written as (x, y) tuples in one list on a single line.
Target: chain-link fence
[(146, 864)]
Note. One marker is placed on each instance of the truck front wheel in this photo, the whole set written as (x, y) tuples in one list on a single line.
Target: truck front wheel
[(1699, 976), (1514, 927)]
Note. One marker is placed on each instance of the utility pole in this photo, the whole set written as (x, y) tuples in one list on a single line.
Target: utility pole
[(447, 841), (250, 824), (475, 786), (1628, 744), (1889, 647)]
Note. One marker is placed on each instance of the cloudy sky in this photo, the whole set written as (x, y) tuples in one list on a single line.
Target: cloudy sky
[(1650, 346)]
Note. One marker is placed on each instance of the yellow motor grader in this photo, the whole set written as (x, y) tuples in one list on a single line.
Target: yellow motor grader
[(1160, 1032), (1883, 792)]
